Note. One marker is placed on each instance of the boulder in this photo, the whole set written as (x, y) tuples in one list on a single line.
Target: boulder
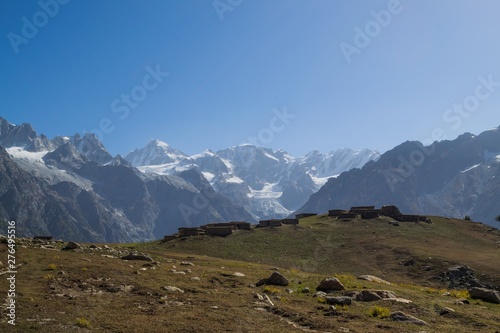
[(374, 295), (372, 278), (338, 300), (276, 279), (132, 256), (329, 285), (460, 277), (403, 317), (72, 246), (487, 295)]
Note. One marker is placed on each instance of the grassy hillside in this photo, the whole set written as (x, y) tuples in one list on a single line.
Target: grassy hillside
[(92, 290), (325, 245)]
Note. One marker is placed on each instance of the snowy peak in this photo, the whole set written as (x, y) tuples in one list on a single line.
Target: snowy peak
[(22, 136), (156, 152)]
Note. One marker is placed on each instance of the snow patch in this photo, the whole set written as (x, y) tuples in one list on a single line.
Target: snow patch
[(472, 167), (20, 153)]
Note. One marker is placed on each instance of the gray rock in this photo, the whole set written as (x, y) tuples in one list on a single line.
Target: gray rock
[(445, 311), (403, 317), (72, 246), (329, 285), (173, 289), (338, 300), (372, 278), (276, 279), (320, 294), (487, 295), (306, 290), (137, 257), (373, 295)]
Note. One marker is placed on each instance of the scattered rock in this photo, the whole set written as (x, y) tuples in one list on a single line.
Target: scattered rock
[(188, 263), (276, 279), (306, 290), (462, 301), (338, 300), (72, 246), (403, 317), (445, 311), (460, 277), (487, 295), (132, 256), (394, 223), (195, 278), (398, 300), (372, 278), (320, 294), (259, 296), (93, 246), (288, 290), (371, 295), (173, 289), (238, 274), (330, 284)]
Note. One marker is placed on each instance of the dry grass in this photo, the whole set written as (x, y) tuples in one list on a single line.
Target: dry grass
[(113, 295)]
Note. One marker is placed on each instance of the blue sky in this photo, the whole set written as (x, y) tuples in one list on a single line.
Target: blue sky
[(234, 68)]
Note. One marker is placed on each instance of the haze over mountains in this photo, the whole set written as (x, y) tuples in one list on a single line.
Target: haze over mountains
[(72, 188)]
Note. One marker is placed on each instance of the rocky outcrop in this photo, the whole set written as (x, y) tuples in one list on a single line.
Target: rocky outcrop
[(329, 285), (487, 295), (276, 279)]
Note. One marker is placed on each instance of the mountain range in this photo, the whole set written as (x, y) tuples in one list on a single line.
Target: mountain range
[(269, 184), (455, 178), (72, 188)]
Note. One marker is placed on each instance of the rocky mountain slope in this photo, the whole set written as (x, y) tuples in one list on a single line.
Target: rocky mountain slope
[(71, 187), (269, 184), (449, 178)]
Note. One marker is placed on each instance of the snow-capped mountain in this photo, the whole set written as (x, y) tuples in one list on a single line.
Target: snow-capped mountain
[(269, 184), (156, 152), (72, 188), (453, 178)]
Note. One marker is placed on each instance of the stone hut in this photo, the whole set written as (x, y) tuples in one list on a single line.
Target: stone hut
[(263, 224), (188, 232), (290, 221), (241, 225), (335, 212), (348, 215), (304, 215), (361, 209), (219, 231), (390, 210), (370, 214), (169, 238)]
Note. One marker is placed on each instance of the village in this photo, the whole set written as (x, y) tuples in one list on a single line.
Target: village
[(224, 229)]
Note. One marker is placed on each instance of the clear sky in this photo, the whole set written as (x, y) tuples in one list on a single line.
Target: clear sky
[(294, 74)]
